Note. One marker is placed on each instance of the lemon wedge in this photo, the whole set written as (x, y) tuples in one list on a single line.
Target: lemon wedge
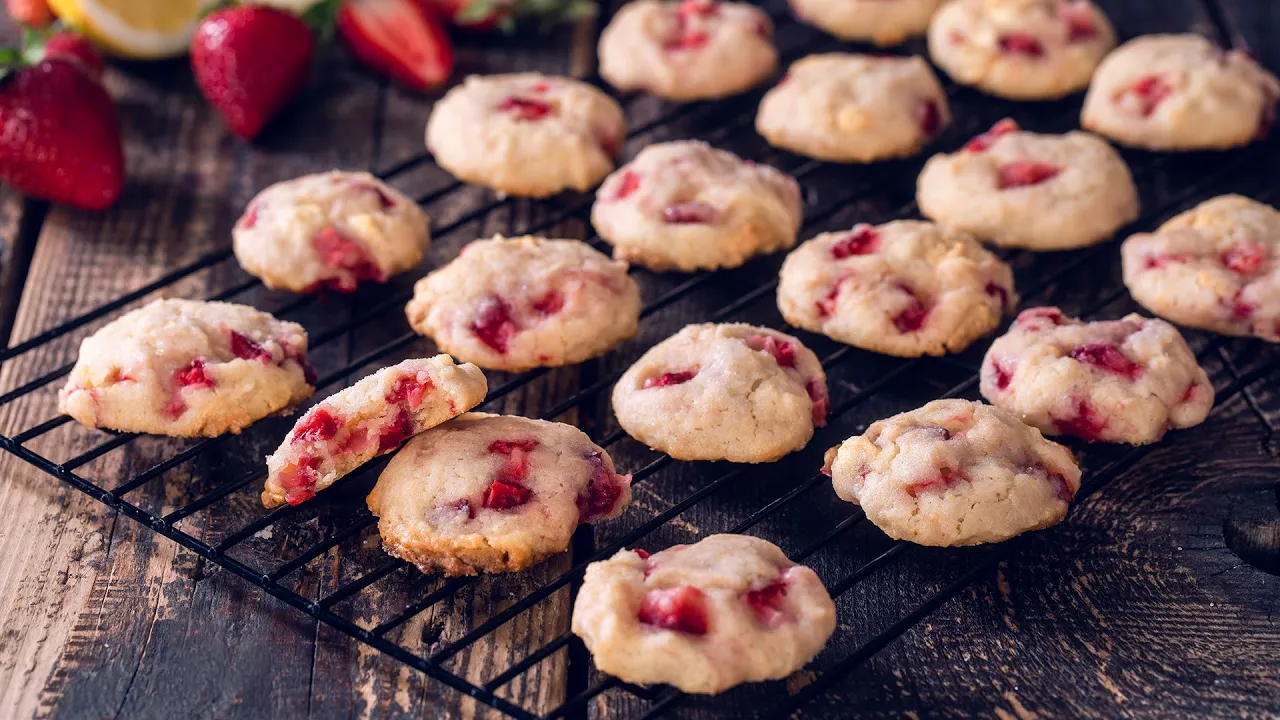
[(138, 29)]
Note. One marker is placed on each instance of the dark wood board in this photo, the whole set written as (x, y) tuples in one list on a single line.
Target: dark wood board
[(1155, 598)]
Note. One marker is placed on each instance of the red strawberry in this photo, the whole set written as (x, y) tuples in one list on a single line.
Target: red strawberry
[(33, 13), (73, 47), (250, 62), (59, 136), (401, 39)]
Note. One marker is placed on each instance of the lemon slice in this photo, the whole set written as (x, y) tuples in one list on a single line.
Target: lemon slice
[(139, 29)]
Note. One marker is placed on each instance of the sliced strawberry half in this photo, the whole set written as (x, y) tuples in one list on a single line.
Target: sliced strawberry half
[(400, 39)]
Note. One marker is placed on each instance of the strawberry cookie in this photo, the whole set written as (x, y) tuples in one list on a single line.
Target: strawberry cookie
[(1180, 92), (188, 368), (372, 417), (874, 21), (726, 610), (493, 493), (905, 288), (1026, 190), (519, 303), (526, 134), (731, 392), (854, 108), (955, 472), (1021, 49), (1214, 267), (330, 231), (1124, 380), (688, 50), (688, 206)]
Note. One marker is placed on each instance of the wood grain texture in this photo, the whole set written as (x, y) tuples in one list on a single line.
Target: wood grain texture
[(1155, 598)]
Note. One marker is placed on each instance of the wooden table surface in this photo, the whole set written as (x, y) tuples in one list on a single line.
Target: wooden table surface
[(1158, 597)]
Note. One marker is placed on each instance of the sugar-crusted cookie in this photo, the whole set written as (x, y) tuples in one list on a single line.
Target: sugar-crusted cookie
[(188, 368), (1180, 92), (1124, 380), (688, 206), (904, 288), (854, 108), (330, 230), (1214, 267), (518, 303), (705, 617), (1021, 49), (372, 417), (1026, 190), (688, 49), (493, 493), (724, 392), (955, 472), (875, 21), (526, 134)]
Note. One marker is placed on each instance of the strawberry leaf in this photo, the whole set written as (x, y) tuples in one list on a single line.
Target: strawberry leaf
[(322, 18), (477, 11)]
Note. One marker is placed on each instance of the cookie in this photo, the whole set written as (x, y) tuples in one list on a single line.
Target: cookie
[(372, 417), (726, 610), (330, 231), (1026, 190), (526, 134), (854, 108), (731, 392), (688, 50), (874, 21), (1180, 92), (955, 472), (188, 368), (1021, 49), (905, 288), (493, 493), (1215, 267), (519, 303), (688, 206), (1122, 381)]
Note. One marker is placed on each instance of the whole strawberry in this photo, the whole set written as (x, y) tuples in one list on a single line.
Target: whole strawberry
[(59, 135), (250, 62)]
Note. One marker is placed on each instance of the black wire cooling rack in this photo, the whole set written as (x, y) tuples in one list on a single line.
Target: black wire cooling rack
[(236, 532)]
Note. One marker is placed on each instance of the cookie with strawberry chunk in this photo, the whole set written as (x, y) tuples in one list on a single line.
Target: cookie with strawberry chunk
[(955, 472), (526, 134), (687, 206), (705, 616), (330, 231), (688, 49), (1021, 49), (1180, 92), (874, 21), (854, 108), (732, 392), (519, 303), (1026, 190), (1215, 267), (905, 288), (493, 493), (188, 368), (726, 610), (1128, 380), (372, 417)]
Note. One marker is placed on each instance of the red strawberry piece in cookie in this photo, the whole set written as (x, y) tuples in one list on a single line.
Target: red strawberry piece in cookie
[(526, 485), (374, 416), (659, 619)]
